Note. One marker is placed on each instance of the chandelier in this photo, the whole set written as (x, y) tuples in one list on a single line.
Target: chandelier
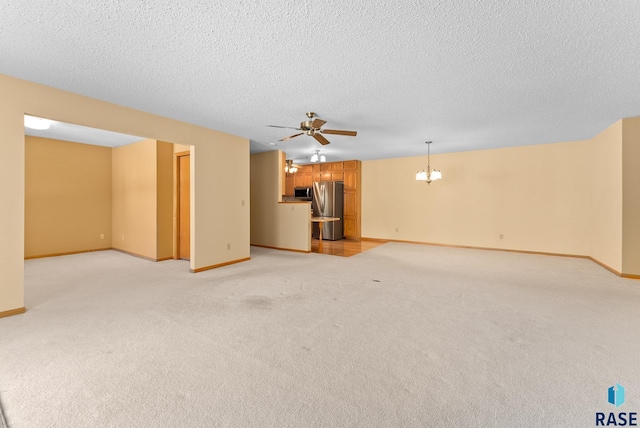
[(428, 175), (318, 157)]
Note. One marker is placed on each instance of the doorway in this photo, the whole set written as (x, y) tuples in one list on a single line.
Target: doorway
[(183, 175)]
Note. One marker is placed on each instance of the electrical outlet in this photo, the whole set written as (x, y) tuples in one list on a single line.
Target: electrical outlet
[(501, 236), (102, 236), (123, 236), (243, 203), (228, 246), (397, 229)]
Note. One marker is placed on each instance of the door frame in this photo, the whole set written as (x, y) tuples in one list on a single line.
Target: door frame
[(176, 228)]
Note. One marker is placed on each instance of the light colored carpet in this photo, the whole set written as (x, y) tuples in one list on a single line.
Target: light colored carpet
[(400, 336)]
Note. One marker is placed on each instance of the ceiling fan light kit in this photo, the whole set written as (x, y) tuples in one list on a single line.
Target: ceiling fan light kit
[(290, 167), (313, 128), (429, 175)]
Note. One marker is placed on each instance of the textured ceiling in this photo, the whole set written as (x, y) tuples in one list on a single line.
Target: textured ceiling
[(466, 74)]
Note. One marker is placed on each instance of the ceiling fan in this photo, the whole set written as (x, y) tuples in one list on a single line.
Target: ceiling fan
[(313, 127)]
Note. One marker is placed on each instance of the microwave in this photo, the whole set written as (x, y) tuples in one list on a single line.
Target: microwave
[(303, 193)]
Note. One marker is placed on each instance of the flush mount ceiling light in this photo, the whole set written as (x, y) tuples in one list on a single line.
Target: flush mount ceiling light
[(290, 167), (318, 157), (36, 122), (428, 175)]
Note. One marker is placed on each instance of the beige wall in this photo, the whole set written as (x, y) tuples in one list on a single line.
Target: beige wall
[(218, 231), (606, 189), (275, 224), (67, 197), (537, 197), (631, 196), (164, 180), (12, 180), (69, 202), (577, 198), (220, 174), (135, 198)]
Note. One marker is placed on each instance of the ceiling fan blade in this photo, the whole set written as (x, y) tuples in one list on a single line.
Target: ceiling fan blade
[(321, 139), (338, 132), (317, 123), (283, 127), (291, 136)]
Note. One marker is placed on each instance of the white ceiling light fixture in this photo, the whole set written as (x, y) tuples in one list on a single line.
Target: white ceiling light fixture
[(428, 175), (318, 157), (36, 122), (290, 167)]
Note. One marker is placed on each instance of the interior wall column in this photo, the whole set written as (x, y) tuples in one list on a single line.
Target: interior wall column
[(12, 173), (631, 197)]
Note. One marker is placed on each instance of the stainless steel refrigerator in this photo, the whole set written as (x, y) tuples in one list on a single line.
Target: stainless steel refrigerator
[(328, 201)]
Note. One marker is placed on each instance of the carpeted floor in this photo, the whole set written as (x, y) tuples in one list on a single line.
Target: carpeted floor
[(399, 336)]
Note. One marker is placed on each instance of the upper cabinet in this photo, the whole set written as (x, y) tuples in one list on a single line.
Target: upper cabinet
[(348, 171), (351, 177)]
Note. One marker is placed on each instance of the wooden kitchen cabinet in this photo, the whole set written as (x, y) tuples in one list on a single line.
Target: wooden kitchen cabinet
[(352, 213), (351, 179), (298, 179), (350, 204), (351, 164), (350, 228), (288, 188), (307, 180)]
